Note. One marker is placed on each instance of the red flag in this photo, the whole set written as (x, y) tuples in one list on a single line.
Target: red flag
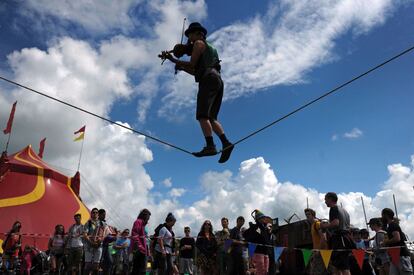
[(394, 252), (10, 122), (359, 256), (42, 147), (81, 130)]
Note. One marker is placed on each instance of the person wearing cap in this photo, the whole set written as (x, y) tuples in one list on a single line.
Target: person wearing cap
[(382, 260), (205, 66), (396, 238), (164, 247), (258, 233)]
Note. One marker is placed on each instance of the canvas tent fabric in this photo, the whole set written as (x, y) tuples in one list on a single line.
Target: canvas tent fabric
[(38, 196)]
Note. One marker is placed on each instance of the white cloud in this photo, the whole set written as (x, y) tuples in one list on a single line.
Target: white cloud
[(270, 49), (177, 192), (256, 186), (280, 47), (167, 182), (96, 16), (334, 137), (353, 134)]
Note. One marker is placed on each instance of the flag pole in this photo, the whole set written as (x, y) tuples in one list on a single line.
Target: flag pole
[(365, 214), (80, 155)]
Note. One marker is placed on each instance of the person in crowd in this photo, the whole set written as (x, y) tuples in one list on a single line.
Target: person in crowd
[(139, 245), (187, 246), (382, 260), (395, 237), (75, 246), (107, 258), (223, 258), (102, 216), (164, 247), (12, 246), (360, 244), (56, 247), (259, 234), (121, 246), (338, 226), (94, 233), (237, 266), (319, 241), (207, 247)]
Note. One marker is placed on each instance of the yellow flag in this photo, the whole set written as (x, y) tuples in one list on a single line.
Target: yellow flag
[(326, 256), (80, 137)]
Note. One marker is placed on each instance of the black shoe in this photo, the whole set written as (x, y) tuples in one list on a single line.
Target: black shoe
[(226, 152), (207, 151)]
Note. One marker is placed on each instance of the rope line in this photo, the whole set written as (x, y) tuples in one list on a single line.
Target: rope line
[(95, 115), (238, 141), (321, 97)]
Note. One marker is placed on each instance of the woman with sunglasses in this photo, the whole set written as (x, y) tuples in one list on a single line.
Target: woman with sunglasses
[(207, 249)]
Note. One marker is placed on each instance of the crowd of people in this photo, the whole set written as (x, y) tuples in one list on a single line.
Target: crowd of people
[(98, 248)]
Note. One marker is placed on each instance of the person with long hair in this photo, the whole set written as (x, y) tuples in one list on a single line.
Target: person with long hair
[(207, 247), (12, 246), (56, 247), (139, 243)]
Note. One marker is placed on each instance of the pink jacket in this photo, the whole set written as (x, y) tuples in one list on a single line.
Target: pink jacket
[(138, 238)]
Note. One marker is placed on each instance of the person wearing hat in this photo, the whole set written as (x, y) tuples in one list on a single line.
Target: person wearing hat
[(382, 260), (259, 234), (205, 66), (396, 238)]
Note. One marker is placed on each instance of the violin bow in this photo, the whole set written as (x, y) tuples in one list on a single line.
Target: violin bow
[(182, 38)]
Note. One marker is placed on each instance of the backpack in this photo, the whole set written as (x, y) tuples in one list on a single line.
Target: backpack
[(154, 237)]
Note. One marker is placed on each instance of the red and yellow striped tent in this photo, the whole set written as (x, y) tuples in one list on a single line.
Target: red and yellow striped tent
[(38, 196)]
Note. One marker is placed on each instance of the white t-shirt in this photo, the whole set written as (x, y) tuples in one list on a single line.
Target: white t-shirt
[(75, 235), (166, 236)]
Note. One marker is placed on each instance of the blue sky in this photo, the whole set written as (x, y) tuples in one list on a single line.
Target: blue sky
[(274, 60)]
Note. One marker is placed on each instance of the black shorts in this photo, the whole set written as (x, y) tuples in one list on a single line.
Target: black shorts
[(340, 259), (209, 97)]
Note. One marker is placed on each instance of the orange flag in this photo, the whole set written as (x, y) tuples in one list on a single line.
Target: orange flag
[(359, 256), (42, 147), (81, 130), (10, 122)]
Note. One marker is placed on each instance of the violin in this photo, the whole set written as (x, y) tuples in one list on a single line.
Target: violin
[(178, 51)]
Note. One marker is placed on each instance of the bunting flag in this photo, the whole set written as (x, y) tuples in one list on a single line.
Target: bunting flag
[(394, 252), (42, 147), (326, 256), (227, 245), (359, 256), (252, 248), (10, 122), (306, 255), (81, 131), (278, 252)]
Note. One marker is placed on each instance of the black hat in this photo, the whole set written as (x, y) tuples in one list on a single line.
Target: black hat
[(193, 27)]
